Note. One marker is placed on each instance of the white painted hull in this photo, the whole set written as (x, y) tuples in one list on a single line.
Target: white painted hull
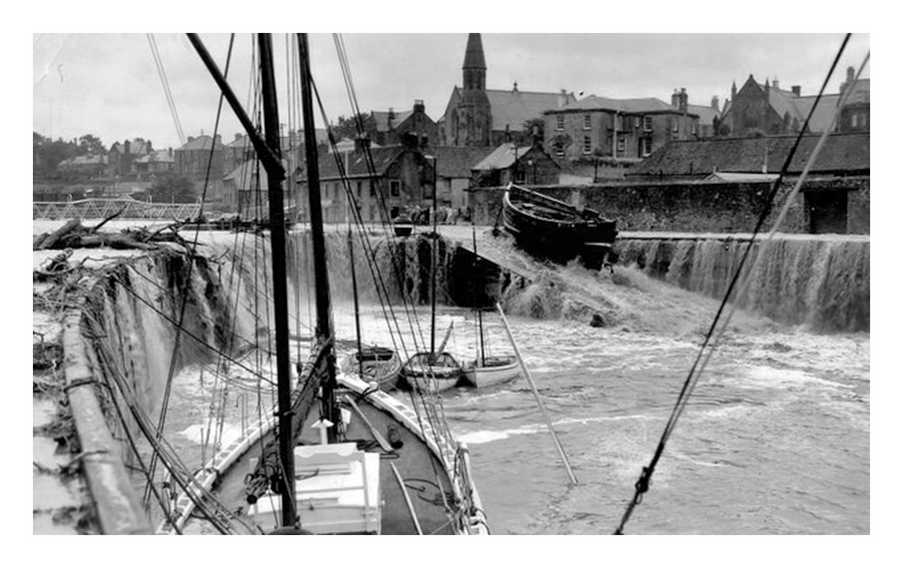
[(487, 376)]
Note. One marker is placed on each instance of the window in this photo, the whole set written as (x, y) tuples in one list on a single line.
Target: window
[(619, 122), (587, 144), (693, 127), (587, 122), (559, 149), (647, 123), (675, 125), (645, 147), (395, 188), (372, 188), (636, 122), (621, 142), (559, 125)]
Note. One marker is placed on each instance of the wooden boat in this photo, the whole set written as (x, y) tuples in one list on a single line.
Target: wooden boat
[(430, 373), (491, 371), (335, 455), (552, 229), (376, 364)]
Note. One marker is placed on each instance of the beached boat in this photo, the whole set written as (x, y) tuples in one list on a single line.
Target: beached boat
[(552, 229), (425, 372)]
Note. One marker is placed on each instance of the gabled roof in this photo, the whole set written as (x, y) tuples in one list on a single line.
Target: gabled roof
[(631, 106), (457, 161), (842, 153), (381, 119), (202, 142), (513, 108), (137, 147), (502, 157), (356, 162), (706, 114)]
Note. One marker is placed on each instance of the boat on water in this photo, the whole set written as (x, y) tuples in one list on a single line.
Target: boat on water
[(490, 371), (336, 455), (552, 229), (430, 373), (374, 364)]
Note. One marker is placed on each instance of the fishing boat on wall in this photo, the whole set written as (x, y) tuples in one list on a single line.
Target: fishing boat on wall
[(552, 229), (336, 455)]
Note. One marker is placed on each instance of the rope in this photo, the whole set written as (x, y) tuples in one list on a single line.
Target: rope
[(645, 479)]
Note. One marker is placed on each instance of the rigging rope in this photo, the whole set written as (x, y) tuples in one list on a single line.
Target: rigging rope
[(644, 481), (167, 91)]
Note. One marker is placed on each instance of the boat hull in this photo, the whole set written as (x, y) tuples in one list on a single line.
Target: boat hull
[(494, 371), (555, 233)]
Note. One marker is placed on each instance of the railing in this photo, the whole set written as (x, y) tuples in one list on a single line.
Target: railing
[(102, 208)]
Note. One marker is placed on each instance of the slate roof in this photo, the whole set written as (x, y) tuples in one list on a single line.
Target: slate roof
[(706, 114), (202, 142), (357, 163), (842, 153), (632, 106), (502, 157), (381, 119), (514, 108), (457, 161)]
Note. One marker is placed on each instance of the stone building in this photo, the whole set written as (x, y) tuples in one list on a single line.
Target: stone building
[(617, 128), (757, 108), (122, 156), (391, 126), (477, 116), (402, 179), (191, 158), (528, 165), (454, 167), (155, 162)]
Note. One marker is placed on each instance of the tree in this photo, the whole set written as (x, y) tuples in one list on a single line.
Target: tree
[(346, 127), (170, 188), (90, 144)]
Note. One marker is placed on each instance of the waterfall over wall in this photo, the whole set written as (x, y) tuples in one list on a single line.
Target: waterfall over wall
[(819, 282)]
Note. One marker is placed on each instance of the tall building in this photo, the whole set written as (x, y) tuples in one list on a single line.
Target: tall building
[(477, 116)]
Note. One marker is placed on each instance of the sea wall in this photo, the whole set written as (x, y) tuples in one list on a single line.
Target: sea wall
[(692, 205)]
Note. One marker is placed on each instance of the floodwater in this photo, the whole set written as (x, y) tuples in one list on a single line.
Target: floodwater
[(775, 439)]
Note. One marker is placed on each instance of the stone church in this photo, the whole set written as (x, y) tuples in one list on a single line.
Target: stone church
[(479, 117)]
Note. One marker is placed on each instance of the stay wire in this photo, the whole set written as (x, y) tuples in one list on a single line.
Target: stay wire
[(644, 481)]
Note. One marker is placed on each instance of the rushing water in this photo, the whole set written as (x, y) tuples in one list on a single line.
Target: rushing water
[(775, 439)]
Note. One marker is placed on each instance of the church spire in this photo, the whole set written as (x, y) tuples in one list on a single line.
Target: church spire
[(474, 64)]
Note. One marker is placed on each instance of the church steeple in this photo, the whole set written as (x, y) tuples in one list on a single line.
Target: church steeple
[(474, 64)]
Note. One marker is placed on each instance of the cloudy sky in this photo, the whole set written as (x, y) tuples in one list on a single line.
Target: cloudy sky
[(108, 85)]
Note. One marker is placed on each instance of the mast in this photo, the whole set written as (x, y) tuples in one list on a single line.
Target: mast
[(476, 306), (280, 287), (433, 261), (324, 332), (268, 153), (357, 312)]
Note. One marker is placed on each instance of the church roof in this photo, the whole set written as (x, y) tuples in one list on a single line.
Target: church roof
[(513, 108)]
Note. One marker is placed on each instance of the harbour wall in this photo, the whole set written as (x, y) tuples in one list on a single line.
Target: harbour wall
[(695, 206)]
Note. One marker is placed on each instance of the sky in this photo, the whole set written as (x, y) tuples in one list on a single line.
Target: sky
[(108, 84)]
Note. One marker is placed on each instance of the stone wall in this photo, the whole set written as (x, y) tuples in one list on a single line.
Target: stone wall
[(690, 206)]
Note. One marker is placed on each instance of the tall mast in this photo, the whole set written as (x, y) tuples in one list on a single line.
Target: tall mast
[(324, 331), (268, 153), (280, 286), (433, 262)]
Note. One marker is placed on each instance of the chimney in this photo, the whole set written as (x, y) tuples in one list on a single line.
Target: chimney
[(562, 98), (675, 99), (537, 137), (796, 90), (851, 74), (775, 83), (715, 102), (514, 90), (683, 99), (237, 137), (128, 147), (419, 106), (170, 151), (217, 141), (191, 138), (767, 86), (390, 119), (733, 90)]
